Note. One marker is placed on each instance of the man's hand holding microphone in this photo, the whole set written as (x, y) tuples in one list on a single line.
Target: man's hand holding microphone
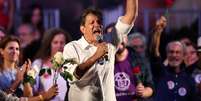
[(102, 48)]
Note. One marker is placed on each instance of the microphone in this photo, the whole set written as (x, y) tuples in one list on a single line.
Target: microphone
[(99, 38)]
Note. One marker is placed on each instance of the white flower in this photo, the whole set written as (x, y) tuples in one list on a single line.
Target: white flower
[(58, 63), (58, 58), (32, 73), (36, 68)]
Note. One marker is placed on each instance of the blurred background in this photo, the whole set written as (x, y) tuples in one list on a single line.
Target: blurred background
[(184, 16)]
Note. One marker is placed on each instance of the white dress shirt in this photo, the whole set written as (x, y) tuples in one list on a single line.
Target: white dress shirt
[(97, 84)]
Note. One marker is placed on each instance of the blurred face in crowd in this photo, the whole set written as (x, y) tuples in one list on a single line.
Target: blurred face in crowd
[(122, 46), (92, 28), (190, 55), (2, 34), (36, 16), (175, 54), (138, 45), (57, 43), (11, 52), (25, 35)]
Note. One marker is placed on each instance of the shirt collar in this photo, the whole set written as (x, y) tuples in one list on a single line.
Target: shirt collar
[(84, 43)]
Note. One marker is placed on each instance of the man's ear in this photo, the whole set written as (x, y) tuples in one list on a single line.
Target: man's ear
[(82, 29)]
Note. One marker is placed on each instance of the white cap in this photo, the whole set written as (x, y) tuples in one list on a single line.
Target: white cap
[(199, 44)]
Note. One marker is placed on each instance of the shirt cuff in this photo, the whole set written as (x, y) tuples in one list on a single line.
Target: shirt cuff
[(123, 28)]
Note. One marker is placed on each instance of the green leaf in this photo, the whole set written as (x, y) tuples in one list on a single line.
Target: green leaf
[(66, 75), (29, 79)]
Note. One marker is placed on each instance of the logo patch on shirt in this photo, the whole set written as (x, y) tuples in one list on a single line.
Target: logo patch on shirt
[(170, 85), (122, 81), (182, 91), (198, 78)]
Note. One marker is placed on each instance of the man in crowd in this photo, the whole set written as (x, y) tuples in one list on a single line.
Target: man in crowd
[(93, 77), (128, 59), (174, 84)]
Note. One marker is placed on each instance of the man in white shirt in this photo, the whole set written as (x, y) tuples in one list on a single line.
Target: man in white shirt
[(93, 77)]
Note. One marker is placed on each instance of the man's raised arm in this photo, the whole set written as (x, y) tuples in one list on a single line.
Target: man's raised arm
[(131, 12), (125, 23)]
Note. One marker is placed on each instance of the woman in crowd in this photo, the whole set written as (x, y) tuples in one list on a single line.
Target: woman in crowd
[(8, 95), (35, 17), (53, 41), (193, 67), (11, 74), (191, 57)]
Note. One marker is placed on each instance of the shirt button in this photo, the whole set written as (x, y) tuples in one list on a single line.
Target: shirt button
[(176, 83)]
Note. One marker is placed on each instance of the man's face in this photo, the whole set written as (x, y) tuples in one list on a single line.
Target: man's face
[(91, 28), (25, 35), (175, 55), (138, 45)]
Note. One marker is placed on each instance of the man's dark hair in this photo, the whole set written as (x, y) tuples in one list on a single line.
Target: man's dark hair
[(93, 11)]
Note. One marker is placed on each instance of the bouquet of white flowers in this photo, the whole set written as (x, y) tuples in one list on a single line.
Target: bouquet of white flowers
[(58, 62), (30, 76)]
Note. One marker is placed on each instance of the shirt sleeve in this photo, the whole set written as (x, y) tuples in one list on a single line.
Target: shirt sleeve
[(70, 53), (123, 28), (120, 31)]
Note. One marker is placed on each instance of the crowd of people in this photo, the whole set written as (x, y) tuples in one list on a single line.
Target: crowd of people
[(112, 64)]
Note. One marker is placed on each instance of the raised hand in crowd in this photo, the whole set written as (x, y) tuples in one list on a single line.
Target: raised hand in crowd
[(22, 70), (155, 41)]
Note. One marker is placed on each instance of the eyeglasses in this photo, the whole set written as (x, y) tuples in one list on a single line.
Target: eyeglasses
[(138, 46), (173, 51), (42, 71)]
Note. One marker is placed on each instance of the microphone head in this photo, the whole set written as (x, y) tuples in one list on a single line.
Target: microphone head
[(99, 38)]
